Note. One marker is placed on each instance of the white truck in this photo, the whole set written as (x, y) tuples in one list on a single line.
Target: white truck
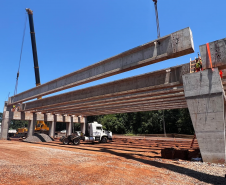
[(95, 133)]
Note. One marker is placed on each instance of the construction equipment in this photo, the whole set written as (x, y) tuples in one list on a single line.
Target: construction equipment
[(40, 126), (33, 43), (95, 133)]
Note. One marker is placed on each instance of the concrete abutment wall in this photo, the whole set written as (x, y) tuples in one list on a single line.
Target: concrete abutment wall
[(205, 98)]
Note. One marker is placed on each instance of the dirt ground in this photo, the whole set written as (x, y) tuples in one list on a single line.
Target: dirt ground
[(123, 161)]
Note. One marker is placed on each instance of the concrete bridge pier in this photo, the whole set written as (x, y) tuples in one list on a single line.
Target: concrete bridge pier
[(31, 125), (205, 98), (68, 128), (83, 125), (52, 128), (6, 119), (85, 128)]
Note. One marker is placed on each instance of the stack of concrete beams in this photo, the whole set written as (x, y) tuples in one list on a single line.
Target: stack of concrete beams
[(152, 91)]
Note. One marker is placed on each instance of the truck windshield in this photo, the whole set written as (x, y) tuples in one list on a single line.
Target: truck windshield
[(99, 128)]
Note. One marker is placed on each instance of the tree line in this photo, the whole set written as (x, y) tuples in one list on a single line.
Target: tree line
[(150, 122)]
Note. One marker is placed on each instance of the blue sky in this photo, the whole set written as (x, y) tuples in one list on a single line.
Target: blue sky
[(73, 34)]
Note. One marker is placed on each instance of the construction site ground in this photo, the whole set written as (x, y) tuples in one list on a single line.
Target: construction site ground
[(123, 161)]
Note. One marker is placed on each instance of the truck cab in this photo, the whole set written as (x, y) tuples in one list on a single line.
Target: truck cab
[(96, 133)]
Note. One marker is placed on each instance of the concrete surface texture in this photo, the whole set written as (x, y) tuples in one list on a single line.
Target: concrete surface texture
[(171, 46), (205, 99), (217, 53)]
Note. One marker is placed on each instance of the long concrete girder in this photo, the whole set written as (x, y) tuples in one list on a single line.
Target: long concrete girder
[(171, 46), (137, 100), (157, 80), (141, 93), (125, 110), (130, 105), (162, 94), (154, 100), (133, 109)]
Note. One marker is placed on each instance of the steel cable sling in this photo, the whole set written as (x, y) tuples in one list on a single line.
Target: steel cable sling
[(21, 51)]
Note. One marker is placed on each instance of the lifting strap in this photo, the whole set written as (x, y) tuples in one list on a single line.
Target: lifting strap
[(208, 50), (15, 91)]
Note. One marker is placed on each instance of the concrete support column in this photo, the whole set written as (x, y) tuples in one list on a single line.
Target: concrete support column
[(68, 128), (83, 127), (86, 126), (5, 125), (205, 98), (5, 122), (31, 125), (52, 128)]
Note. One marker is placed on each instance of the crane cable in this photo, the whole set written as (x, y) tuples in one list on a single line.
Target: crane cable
[(157, 18), (21, 51)]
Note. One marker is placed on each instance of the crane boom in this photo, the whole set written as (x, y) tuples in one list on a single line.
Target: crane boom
[(34, 48)]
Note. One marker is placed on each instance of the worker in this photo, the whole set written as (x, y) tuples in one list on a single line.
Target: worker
[(198, 64), (13, 109)]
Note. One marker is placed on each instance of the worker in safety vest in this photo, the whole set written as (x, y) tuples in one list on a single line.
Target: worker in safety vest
[(198, 64)]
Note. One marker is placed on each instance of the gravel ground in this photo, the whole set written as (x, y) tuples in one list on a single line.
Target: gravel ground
[(52, 163)]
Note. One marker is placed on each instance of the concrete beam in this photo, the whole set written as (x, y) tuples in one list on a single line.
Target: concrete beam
[(218, 54), (174, 45), (138, 97), (119, 105), (157, 80), (131, 109), (138, 109), (205, 99)]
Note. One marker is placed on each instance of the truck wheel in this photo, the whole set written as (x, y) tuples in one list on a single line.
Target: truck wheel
[(76, 141), (62, 138), (104, 140), (66, 141)]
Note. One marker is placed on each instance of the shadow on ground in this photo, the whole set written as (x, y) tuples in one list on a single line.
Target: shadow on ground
[(212, 179)]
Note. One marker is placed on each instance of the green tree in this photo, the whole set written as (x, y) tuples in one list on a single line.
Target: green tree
[(150, 122), (15, 124)]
